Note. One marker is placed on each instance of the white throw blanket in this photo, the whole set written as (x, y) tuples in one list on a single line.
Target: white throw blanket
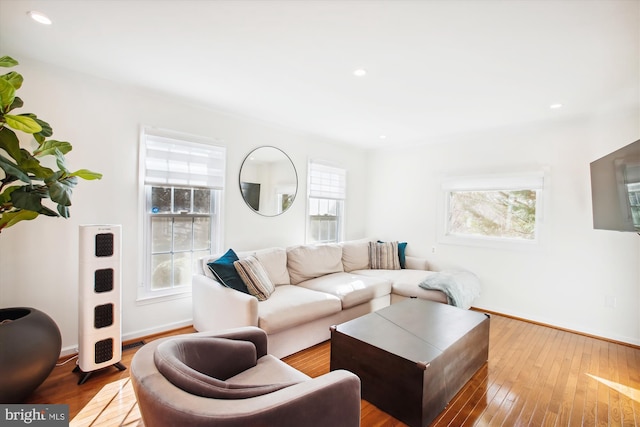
[(460, 286)]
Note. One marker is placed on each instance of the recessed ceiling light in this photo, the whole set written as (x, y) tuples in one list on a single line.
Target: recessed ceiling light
[(39, 17), (383, 137), (555, 106), (360, 72)]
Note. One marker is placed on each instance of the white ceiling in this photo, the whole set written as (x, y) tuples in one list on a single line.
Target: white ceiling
[(435, 68)]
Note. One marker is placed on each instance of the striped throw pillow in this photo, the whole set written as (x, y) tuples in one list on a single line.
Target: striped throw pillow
[(384, 256), (255, 277)]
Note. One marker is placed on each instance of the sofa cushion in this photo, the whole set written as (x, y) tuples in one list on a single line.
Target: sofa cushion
[(225, 272), (352, 289), (405, 283), (274, 261), (384, 255), (291, 305), (255, 277), (355, 254), (309, 261)]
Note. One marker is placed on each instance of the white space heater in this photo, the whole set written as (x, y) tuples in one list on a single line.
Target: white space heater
[(99, 311)]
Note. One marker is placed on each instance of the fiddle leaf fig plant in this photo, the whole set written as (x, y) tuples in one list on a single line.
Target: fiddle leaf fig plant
[(26, 181)]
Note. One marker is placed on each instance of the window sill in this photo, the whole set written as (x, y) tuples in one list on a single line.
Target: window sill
[(153, 299), (489, 242)]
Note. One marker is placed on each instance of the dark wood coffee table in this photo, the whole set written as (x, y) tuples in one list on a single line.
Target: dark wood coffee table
[(412, 357)]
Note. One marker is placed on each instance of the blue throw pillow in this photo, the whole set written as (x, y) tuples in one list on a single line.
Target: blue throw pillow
[(226, 273), (402, 247)]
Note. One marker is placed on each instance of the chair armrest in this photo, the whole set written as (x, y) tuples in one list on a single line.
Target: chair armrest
[(415, 263), (216, 307), (332, 399)]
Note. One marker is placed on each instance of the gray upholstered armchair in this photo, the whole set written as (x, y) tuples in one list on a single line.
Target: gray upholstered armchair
[(228, 379)]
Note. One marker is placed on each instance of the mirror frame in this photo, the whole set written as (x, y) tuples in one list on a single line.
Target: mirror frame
[(240, 182)]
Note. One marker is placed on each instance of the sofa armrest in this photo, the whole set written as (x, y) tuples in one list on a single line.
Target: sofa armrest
[(415, 263), (216, 307)]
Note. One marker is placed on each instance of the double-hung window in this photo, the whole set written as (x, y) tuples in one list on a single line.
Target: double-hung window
[(493, 208), (325, 204), (183, 185)]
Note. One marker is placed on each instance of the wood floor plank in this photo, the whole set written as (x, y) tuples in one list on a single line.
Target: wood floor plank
[(591, 401), (570, 389), (604, 393), (534, 367), (546, 373), (626, 401), (525, 378), (501, 370), (633, 369)]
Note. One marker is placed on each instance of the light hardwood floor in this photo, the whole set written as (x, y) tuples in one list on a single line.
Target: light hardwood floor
[(535, 376)]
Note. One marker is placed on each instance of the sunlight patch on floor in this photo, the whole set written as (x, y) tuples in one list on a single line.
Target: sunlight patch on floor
[(114, 404), (630, 392)]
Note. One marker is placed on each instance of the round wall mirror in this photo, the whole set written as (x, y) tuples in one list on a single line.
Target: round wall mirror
[(268, 181)]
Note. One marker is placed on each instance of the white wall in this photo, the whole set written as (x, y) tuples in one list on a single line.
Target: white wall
[(39, 260), (565, 280)]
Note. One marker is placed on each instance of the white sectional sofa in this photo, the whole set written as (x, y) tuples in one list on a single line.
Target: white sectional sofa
[(314, 287)]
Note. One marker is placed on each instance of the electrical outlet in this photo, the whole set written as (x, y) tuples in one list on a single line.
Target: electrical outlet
[(433, 249)]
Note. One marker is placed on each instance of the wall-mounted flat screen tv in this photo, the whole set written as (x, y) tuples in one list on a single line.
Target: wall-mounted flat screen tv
[(615, 190)]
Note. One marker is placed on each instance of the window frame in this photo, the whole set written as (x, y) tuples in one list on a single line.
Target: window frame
[(334, 190), (145, 292), (537, 181)]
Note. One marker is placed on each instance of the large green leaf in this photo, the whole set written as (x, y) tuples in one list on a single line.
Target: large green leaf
[(46, 131), (86, 174), (10, 143), (61, 161), (60, 191), (5, 196), (14, 78), (31, 165), (25, 163), (23, 123), (7, 61), (55, 176), (64, 211), (17, 103), (9, 219), (12, 169), (47, 148), (30, 198), (7, 94)]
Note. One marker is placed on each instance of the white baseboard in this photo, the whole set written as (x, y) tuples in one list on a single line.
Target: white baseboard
[(156, 330), (73, 349)]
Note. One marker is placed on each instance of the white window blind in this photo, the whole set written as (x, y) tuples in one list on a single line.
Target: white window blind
[(326, 181), (173, 162), (525, 181)]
